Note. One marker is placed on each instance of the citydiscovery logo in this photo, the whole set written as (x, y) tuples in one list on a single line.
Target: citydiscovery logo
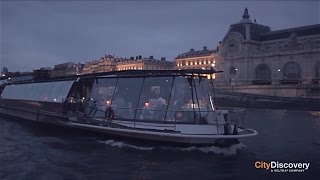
[(276, 166)]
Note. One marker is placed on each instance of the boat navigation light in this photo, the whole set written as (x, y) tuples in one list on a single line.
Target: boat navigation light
[(55, 100), (146, 104)]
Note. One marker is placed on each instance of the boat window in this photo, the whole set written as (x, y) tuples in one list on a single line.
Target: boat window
[(126, 97), (189, 98), (59, 91), (101, 94), (154, 98), (47, 91), (181, 97)]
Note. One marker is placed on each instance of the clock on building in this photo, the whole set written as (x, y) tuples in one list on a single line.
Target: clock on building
[(233, 46)]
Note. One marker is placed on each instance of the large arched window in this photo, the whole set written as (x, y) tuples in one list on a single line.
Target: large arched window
[(291, 70), (263, 72), (232, 71), (317, 71)]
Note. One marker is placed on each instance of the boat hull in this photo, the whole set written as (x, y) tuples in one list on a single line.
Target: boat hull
[(168, 133)]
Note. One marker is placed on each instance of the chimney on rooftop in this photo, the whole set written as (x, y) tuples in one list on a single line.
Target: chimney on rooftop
[(150, 57), (140, 57), (205, 48), (163, 58)]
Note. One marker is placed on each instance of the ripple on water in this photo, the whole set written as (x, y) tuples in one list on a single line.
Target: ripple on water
[(232, 150)]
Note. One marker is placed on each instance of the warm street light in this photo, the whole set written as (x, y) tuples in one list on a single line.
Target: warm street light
[(213, 64), (278, 70), (236, 69)]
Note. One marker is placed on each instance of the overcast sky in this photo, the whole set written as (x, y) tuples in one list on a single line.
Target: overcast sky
[(38, 34)]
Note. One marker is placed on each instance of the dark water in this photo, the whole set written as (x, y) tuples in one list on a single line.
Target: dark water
[(35, 151)]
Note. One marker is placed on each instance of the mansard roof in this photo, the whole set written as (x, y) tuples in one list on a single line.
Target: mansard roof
[(193, 53), (286, 33)]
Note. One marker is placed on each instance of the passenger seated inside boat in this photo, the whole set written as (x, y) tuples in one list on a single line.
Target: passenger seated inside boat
[(154, 108), (121, 106)]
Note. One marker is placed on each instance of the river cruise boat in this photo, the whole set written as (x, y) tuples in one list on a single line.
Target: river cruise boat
[(173, 106)]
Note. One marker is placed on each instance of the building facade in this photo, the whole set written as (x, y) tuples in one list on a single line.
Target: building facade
[(104, 64), (252, 55), (201, 59), (142, 63), (66, 69)]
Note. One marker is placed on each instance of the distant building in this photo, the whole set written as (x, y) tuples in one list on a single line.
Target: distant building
[(104, 64), (252, 55), (87, 68), (66, 69), (4, 71), (42, 73), (202, 59), (140, 63)]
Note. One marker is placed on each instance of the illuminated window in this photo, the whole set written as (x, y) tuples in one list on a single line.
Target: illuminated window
[(187, 63), (195, 63), (200, 62), (191, 63), (205, 62)]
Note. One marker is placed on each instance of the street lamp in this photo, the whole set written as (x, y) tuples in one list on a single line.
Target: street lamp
[(275, 81)]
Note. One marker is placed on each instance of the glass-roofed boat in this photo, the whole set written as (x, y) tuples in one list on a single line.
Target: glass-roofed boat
[(173, 106)]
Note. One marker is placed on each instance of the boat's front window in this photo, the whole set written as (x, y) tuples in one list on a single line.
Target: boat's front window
[(189, 99)]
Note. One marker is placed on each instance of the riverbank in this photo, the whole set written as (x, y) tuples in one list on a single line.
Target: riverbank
[(236, 99)]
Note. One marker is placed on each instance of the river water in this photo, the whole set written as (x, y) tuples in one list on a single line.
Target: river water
[(35, 151)]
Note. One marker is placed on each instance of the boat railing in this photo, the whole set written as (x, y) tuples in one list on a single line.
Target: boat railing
[(237, 116), (91, 108)]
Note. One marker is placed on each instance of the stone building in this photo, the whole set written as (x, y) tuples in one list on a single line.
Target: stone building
[(87, 68), (201, 59), (66, 69), (142, 63), (256, 59), (106, 64)]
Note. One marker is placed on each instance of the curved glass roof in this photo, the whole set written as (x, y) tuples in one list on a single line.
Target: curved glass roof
[(46, 91)]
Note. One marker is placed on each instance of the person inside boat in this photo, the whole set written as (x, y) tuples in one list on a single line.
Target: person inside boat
[(157, 102), (120, 105), (152, 108)]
